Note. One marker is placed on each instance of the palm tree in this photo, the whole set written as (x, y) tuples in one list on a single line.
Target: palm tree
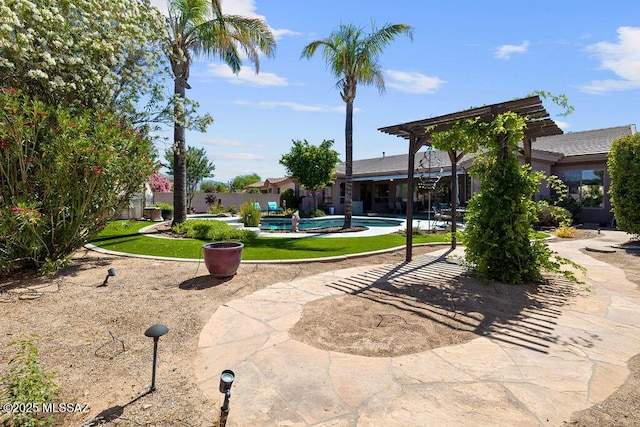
[(198, 27), (352, 56)]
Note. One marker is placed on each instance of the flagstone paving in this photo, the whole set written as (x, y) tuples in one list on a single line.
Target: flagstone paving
[(534, 370)]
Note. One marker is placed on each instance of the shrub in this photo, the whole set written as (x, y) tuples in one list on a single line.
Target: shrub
[(550, 215), (27, 383), (499, 218), (288, 199), (624, 167), (212, 230), (63, 174), (210, 200), (250, 214), (571, 205), (233, 209), (314, 213), (566, 232), (167, 210)]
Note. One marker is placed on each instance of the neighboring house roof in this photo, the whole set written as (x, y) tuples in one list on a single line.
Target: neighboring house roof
[(258, 184), (557, 146), (274, 181), (581, 143), (269, 181)]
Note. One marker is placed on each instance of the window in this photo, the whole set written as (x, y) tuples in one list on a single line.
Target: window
[(342, 192), (328, 195), (586, 187), (381, 193), (402, 191)]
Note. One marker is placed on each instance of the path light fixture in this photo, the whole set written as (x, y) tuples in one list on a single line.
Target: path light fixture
[(226, 379), (155, 332), (110, 272)]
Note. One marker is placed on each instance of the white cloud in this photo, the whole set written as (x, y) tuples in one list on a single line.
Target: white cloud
[(220, 142), (505, 51), (623, 58), (562, 125), (279, 33), (238, 156), (246, 75), (162, 5), (296, 106), (248, 8), (412, 82), (240, 7)]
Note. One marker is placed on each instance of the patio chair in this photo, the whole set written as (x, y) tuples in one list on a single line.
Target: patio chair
[(257, 206), (438, 215), (273, 207)]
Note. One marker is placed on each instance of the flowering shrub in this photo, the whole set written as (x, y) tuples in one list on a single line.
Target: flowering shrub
[(63, 174), (159, 184), (81, 52)]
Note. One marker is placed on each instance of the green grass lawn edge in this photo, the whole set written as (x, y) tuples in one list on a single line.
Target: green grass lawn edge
[(124, 236)]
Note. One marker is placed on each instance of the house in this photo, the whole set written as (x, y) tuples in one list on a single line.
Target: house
[(273, 185), (380, 184)]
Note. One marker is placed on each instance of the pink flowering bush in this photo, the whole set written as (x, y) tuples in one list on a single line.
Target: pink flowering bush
[(63, 174), (159, 184)]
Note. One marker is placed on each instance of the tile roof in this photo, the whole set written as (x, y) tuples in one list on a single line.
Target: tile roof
[(396, 164), (568, 144), (580, 143)]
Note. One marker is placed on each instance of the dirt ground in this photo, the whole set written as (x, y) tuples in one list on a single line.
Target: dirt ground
[(93, 337)]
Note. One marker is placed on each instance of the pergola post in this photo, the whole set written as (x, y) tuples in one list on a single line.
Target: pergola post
[(454, 196), (526, 148), (414, 146)]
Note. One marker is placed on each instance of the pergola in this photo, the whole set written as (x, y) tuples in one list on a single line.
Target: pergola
[(419, 133)]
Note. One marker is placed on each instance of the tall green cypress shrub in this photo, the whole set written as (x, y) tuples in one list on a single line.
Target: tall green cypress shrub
[(624, 169)]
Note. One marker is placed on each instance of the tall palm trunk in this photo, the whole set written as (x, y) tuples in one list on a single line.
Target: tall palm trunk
[(179, 156), (348, 188)]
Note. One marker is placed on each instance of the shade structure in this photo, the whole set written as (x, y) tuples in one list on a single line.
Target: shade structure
[(419, 132)]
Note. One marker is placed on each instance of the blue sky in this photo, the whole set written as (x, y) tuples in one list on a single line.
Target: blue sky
[(464, 54)]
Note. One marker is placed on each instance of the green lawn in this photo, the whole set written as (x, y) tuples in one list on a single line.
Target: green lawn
[(122, 236)]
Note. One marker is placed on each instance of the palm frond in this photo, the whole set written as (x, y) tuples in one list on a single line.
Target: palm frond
[(353, 54), (200, 27)]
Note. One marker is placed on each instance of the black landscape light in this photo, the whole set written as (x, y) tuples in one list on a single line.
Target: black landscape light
[(155, 332), (226, 379), (110, 272)]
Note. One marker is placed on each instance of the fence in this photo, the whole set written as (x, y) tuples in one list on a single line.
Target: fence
[(199, 204)]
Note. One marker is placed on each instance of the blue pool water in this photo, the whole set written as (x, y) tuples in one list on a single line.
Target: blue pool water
[(306, 223)]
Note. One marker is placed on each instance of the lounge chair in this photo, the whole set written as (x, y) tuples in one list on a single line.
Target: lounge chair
[(257, 206), (273, 207)]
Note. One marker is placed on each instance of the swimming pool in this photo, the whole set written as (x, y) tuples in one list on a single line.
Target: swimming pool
[(276, 224)]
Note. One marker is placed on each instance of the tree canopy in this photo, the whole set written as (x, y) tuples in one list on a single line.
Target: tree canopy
[(198, 168), (241, 181), (311, 166)]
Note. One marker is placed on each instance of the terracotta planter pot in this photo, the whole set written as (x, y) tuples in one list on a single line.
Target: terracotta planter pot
[(222, 258)]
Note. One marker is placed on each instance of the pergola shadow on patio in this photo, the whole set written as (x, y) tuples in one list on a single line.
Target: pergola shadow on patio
[(419, 133)]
